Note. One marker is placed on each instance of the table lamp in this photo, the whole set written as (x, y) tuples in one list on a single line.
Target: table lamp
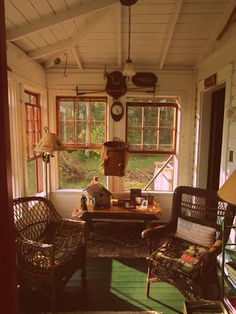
[(228, 190), (48, 144)]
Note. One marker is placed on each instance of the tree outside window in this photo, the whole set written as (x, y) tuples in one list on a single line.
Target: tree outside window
[(82, 130)]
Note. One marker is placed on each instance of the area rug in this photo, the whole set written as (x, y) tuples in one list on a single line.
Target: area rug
[(116, 239), (111, 312)]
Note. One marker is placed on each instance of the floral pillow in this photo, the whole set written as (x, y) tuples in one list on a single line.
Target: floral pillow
[(195, 233)]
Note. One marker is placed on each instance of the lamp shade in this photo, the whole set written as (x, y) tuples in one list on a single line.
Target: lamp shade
[(228, 190), (129, 70), (49, 143)]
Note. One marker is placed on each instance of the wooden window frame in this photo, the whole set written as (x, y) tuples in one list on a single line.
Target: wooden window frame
[(173, 128), (91, 99), (39, 133)]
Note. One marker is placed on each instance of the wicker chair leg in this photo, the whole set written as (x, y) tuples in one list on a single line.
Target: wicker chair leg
[(53, 299), (83, 268), (148, 282), (147, 289)]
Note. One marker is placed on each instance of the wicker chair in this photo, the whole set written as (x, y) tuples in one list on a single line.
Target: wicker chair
[(188, 266), (49, 248)]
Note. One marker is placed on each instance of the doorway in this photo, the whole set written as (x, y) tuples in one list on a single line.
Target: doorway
[(209, 139), (215, 138)]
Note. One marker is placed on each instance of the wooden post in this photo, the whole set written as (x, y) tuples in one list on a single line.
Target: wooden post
[(8, 295)]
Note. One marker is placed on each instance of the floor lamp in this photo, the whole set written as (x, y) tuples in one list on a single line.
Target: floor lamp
[(47, 145), (228, 190)]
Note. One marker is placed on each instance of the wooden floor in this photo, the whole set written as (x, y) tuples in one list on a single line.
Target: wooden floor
[(112, 285)]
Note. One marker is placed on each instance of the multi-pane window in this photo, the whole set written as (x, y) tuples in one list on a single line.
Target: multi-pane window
[(152, 127), (81, 127), (151, 135), (33, 135)]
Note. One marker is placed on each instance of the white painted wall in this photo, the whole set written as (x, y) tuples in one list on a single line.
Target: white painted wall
[(222, 61), (172, 83), (24, 74)]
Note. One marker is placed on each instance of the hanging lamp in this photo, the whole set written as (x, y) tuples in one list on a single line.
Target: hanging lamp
[(129, 70)]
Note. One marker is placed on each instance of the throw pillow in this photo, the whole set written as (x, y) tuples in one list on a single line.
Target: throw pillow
[(195, 233)]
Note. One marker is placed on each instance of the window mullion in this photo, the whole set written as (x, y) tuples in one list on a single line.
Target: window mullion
[(142, 129), (74, 123), (158, 127)]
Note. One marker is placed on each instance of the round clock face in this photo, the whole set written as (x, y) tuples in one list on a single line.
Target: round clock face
[(117, 110)]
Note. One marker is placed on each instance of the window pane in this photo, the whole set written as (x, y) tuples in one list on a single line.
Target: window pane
[(79, 167), (167, 116), (81, 111), (142, 168), (81, 133), (26, 97), (97, 134), (150, 116), (166, 139), (134, 116), (67, 132), (134, 138), (150, 139), (98, 111), (66, 110), (32, 177)]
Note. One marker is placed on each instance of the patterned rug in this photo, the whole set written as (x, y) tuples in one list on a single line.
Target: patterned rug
[(110, 312), (116, 239)]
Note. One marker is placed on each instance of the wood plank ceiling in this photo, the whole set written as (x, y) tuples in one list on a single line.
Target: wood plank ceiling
[(165, 34)]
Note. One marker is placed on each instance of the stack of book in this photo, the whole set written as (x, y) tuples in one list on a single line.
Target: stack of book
[(231, 269), (230, 303)]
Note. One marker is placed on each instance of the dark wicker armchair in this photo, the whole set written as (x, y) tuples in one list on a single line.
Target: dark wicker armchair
[(49, 248), (186, 264)]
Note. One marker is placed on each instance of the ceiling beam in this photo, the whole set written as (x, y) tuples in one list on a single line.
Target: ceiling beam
[(59, 18), (70, 42), (177, 10), (76, 56), (228, 12)]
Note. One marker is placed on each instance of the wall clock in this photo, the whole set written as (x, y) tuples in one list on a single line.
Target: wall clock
[(117, 110)]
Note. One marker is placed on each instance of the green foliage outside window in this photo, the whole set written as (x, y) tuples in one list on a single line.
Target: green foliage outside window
[(141, 169), (79, 167), (32, 178)]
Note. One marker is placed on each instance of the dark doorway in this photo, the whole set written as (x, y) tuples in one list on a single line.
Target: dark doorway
[(215, 140)]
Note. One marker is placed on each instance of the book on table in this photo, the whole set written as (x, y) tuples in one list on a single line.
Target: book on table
[(231, 270), (231, 304)]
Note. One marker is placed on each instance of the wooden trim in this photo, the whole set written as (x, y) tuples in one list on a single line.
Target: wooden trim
[(8, 295)]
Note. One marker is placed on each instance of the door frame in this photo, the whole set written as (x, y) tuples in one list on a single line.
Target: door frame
[(203, 134)]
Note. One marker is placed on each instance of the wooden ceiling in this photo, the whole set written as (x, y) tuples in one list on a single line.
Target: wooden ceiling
[(87, 34)]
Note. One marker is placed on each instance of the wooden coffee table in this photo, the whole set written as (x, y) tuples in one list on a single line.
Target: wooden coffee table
[(116, 213)]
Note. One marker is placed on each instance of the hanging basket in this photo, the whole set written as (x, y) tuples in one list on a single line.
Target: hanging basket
[(115, 158)]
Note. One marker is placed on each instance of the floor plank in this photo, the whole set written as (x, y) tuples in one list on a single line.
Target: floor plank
[(112, 285)]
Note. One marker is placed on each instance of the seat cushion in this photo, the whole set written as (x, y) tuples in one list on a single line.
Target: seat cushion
[(64, 247), (180, 255)]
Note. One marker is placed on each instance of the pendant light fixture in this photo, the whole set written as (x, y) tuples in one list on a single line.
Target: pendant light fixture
[(129, 70)]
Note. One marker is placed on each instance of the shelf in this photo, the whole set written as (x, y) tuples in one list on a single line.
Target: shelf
[(226, 278)]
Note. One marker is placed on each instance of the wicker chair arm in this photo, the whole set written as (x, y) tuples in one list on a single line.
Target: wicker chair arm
[(216, 248), (34, 256), (156, 232), (69, 227), (210, 258), (154, 236)]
